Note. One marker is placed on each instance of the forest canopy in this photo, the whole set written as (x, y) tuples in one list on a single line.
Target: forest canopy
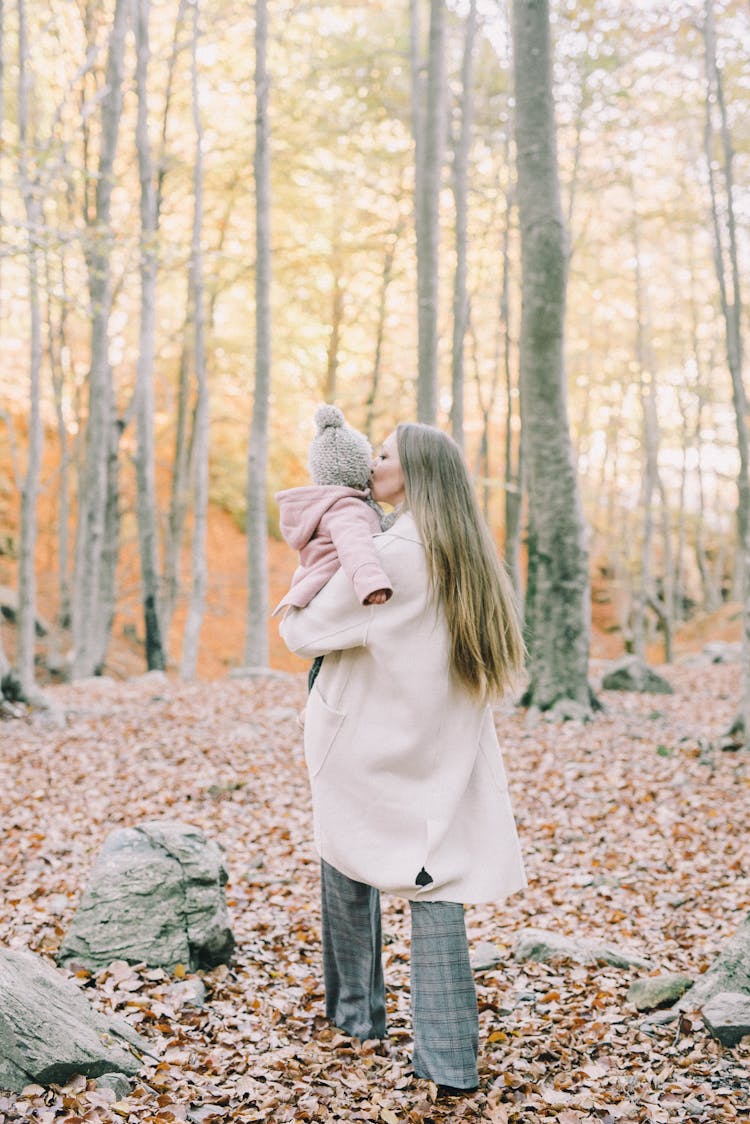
[(653, 148)]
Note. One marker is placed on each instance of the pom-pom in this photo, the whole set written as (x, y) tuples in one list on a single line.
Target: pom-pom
[(328, 416)]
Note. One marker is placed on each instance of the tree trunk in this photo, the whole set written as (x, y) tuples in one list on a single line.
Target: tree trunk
[(144, 463), (557, 618), (649, 439), (428, 175), (461, 195), (390, 253), (256, 641), (710, 599), (26, 642), (513, 458), (197, 605), (337, 313), (107, 598), (2, 179), (680, 590), (179, 496), (57, 347), (731, 309), (90, 617), (161, 166)]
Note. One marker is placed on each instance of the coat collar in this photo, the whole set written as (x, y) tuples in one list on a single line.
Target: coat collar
[(405, 528)]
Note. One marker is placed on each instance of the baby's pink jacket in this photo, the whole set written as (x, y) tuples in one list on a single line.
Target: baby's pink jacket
[(330, 526)]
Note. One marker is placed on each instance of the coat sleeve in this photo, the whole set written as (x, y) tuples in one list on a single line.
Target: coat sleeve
[(349, 524), (332, 621)]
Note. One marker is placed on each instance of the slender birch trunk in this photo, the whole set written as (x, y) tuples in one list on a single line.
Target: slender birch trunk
[(334, 339), (179, 496), (513, 456), (642, 584), (57, 346), (197, 605), (256, 641), (26, 642), (557, 597), (2, 181), (144, 463), (461, 198), (387, 277), (428, 174), (161, 163), (96, 510), (726, 258)]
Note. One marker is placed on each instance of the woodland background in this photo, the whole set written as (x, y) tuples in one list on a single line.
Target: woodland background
[(102, 333), (212, 218)]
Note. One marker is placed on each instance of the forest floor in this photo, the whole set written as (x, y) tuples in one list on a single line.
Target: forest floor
[(634, 831)]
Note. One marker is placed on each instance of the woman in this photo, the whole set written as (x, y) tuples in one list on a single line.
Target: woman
[(408, 786)]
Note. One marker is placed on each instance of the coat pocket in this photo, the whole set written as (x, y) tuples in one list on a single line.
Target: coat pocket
[(322, 724)]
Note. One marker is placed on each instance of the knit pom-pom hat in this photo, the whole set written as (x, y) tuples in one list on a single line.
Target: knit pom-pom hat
[(339, 454)]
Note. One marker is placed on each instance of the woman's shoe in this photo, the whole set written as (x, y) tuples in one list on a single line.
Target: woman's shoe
[(453, 1091)]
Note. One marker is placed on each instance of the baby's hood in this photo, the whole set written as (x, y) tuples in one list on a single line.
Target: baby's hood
[(301, 509)]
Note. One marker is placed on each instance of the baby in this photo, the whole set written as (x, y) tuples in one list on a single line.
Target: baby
[(331, 522)]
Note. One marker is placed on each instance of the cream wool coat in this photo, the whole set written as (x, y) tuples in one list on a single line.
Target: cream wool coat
[(405, 767)]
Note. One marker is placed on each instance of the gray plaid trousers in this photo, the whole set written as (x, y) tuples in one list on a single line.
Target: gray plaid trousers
[(443, 996)]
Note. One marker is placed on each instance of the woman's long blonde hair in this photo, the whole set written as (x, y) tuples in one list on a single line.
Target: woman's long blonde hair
[(465, 574)]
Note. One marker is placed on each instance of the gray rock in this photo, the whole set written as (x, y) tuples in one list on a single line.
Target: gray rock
[(96, 682), (730, 972), (632, 674), (727, 1016), (187, 993), (659, 1018), (153, 678), (541, 944), (655, 992), (49, 1032), (486, 955), (120, 1085), (721, 651), (157, 896), (11, 709)]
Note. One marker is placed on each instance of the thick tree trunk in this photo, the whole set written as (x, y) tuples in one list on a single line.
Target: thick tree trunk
[(197, 604), (461, 198), (557, 599), (728, 276), (26, 642), (144, 463), (256, 641), (428, 174), (91, 619)]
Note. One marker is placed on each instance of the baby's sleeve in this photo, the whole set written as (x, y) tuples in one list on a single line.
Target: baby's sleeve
[(351, 523)]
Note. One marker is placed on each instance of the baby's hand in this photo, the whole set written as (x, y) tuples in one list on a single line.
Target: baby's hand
[(378, 597)]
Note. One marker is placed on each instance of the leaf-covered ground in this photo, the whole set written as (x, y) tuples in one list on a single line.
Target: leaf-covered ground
[(633, 830)]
